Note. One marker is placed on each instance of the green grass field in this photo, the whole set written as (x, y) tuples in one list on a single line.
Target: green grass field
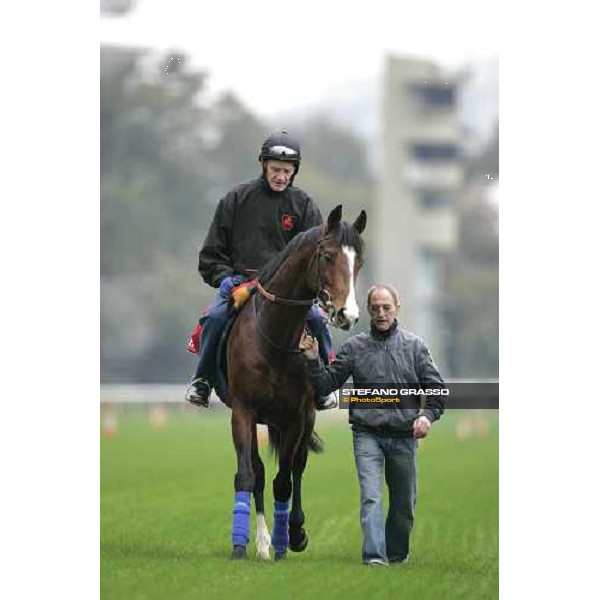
[(167, 498)]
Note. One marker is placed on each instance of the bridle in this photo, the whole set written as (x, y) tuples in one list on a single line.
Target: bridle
[(326, 304), (321, 299)]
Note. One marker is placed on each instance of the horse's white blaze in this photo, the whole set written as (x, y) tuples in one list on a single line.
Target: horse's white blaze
[(263, 539), (351, 305)]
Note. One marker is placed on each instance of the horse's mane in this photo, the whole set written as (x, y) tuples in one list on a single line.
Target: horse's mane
[(344, 234)]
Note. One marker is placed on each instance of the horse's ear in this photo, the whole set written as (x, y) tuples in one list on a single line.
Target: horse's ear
[(335, 216), (361, 221)]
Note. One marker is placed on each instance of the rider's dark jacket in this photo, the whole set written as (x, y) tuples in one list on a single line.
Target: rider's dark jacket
[(251, 225), (375, 358)]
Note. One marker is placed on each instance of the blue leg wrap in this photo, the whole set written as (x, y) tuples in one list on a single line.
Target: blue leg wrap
[(240, 532), (280, 537)]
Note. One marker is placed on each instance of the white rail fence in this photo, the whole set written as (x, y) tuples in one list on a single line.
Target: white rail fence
[(158, 400)]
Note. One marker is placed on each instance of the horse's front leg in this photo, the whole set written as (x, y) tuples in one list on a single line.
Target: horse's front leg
[(263, 539), (241, 426), (282, 489), (298, 535)]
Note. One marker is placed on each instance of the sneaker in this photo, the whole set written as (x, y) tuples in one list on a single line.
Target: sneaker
[(399, 561), (376, 562), (199, 393), (326, 402)]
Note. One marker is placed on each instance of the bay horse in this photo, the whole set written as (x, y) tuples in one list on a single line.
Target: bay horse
[(268, 378)]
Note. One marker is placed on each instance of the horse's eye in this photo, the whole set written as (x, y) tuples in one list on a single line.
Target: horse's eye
[(327, 257)]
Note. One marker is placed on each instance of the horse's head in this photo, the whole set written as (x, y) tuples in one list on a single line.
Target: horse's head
[(339, 257)]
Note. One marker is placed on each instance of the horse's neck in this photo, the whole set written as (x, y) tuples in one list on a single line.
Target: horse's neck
[(290, 280), (285, 321)]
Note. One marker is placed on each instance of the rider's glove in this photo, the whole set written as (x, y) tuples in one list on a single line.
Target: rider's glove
[(228, 284)]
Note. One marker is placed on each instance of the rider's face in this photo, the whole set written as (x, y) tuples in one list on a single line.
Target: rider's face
[(278, 174), (383, 309)]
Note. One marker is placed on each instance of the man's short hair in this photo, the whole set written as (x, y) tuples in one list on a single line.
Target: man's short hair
[(383, 286)]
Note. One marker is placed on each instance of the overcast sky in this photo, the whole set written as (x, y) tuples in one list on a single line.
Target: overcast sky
[(280, 55)]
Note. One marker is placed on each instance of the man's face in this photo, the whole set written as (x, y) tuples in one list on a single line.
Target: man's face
[(383, 309), (278, 174)]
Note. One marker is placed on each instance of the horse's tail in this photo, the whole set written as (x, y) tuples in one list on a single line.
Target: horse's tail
[(274, 441), (314, 443)]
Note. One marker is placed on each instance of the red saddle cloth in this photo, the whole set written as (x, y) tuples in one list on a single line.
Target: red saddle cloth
[(194, 341)]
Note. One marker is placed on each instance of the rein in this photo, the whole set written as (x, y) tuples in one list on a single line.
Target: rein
[(288, 301)]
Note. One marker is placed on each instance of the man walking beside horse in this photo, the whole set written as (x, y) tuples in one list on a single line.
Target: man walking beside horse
[(385, 439)]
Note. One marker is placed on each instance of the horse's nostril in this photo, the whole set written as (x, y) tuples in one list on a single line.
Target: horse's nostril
[(352, 322), (345, 322)]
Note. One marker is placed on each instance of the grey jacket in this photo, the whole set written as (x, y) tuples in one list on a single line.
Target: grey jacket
[(401, 357)]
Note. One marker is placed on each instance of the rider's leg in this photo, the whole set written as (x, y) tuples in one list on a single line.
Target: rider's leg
[(317, 324), (212, 328)]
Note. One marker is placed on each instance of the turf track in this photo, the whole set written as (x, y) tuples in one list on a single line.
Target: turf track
[(166, 501)]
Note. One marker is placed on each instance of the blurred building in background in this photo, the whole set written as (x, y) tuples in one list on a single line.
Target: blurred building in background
[(423, 171)]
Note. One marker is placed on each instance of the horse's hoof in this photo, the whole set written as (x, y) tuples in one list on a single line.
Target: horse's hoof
[(239, 552), (301, 546)]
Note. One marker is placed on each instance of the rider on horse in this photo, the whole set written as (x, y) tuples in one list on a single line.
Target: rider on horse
[(252, 224)]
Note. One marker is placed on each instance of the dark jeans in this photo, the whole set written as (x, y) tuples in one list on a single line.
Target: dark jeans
[(214, 323), (316, 323), (212, 328), (376, 454)]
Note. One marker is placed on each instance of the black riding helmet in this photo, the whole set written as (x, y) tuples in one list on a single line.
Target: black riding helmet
[(281, 146)]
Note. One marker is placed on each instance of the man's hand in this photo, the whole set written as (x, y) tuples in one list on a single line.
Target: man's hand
[(228, 284), (309, 346), (421, 426)]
